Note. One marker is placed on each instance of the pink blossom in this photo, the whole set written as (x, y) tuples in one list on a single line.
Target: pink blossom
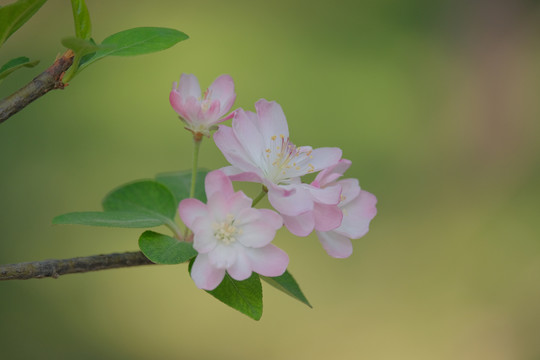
[(357, 206), (230, 235), (259, 150), (200, 114)]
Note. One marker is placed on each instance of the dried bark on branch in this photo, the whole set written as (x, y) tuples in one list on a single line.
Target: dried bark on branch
[(48, 80), (55, 268)]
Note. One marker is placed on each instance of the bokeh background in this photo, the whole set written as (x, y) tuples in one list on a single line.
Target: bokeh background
[(436, 104)]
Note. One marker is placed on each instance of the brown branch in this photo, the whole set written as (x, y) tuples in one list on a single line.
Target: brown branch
[(55, 268), (48, 80)]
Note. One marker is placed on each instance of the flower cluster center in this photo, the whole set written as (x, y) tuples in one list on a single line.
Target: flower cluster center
[(285, 160), (225, 231)]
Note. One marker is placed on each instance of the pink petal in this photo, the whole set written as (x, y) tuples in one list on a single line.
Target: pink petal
[(271, 218), (222, 89), (236, 174), (300, 225), (206, 276), (190, 209), (239, 201), (357, 215), (336, 245), (327, 217), (204, 240), (177, 103), (332, 173), (189, 86), (330, 195), (297, 201), (209, 115), (268, 261), (272, 120), (256, 234), (241, 270), (217, 182), (349, 190)]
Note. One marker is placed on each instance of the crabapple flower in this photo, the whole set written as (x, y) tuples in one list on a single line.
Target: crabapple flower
[(200, 114), (259, 150), (230, 235), (357, 206)]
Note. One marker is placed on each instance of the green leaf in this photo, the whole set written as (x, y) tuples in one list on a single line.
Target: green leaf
[(123, 219), (137, 41), (145, 196), (81, 17), (14, 15), (163, 249), (288, 285), (79, 46), (244, 296), (179, 183), (15, 64)]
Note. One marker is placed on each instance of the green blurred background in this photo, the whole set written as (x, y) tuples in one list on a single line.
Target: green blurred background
[(436, 104)]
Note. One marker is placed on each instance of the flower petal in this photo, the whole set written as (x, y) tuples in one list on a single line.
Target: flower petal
[(327, 217), (272, 120), (189, 86), (330, 195), (222, 89), (236, 174), (217, 182), (321, 158), (268, 261), (350, 189), (223, 256), (238, 202), (233, 151), (190, 209), (336, 245), (249, 137), (294, 201), (357, 214), (241, 269), (300, 225), (256, 234), (204, 240), (206, 276), (331, 173)]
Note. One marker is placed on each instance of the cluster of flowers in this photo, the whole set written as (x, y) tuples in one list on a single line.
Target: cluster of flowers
[(231, 236)]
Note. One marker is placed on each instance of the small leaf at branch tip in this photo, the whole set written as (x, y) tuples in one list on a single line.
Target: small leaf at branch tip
[(15, 64), (15, 15)]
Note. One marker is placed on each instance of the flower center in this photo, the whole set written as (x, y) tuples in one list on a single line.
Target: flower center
[(225, 231), (284, 160)]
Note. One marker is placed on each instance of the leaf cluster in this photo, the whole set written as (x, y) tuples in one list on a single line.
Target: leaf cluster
[(151, 203)]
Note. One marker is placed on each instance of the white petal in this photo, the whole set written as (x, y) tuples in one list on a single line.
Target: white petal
[(223, 256), (272, 120), (241, 270), (189, 86)]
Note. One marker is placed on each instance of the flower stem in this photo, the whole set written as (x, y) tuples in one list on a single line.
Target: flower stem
[(260, 196), (197, 145), (197, 139)]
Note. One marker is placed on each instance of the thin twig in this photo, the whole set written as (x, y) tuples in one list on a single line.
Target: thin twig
[(48, 80), (55, 268)]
